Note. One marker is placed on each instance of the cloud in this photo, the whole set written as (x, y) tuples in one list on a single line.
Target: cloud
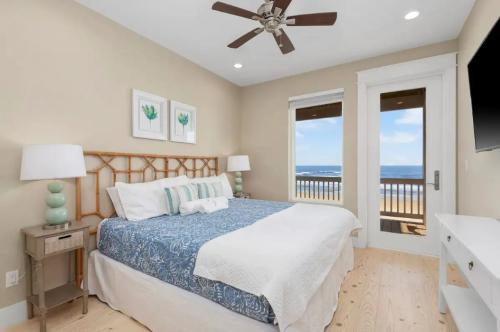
[(331, 120), (399, 137), (308, 125), (412, 116), (315, 124), (404, 161), (299, 135)]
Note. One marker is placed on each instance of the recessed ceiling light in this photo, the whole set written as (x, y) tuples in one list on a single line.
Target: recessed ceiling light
[(400, 103), (238, 65), (412, 15)]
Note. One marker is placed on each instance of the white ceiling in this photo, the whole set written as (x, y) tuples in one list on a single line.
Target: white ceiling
[(364, 28)]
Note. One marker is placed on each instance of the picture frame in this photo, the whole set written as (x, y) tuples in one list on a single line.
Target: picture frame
[(182, 123), (149, 116)]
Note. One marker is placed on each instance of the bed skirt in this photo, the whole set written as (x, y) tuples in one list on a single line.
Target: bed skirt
[(166, 308)]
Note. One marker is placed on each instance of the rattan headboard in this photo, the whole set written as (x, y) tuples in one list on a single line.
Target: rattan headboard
[(141, 164), (129, 167)]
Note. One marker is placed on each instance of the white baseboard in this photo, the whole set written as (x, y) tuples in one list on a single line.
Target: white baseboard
[(13, 314)]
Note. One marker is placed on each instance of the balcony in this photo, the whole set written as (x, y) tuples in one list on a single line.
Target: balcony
[(401, 200)]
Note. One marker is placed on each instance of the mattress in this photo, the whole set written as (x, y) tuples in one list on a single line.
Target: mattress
[(166, 248), (163, 307)]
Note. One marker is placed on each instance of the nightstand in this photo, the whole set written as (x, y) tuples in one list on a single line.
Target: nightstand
[(41, 244), (243, 195)]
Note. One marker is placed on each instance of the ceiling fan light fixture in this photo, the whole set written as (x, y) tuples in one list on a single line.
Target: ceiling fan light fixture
[(238, 65), (412, 15), (272, 14)]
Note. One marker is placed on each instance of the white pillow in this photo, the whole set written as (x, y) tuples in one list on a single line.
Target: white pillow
[(117, 203), (226, 186), (147, 200)]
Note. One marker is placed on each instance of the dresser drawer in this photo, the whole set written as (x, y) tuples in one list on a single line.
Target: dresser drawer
[(449, 240), (63, 242), (476, 272)]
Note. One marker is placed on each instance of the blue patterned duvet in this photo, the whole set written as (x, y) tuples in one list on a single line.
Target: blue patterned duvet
[(166, 248)]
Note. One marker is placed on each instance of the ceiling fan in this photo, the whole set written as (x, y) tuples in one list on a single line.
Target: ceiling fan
[(272, 15)]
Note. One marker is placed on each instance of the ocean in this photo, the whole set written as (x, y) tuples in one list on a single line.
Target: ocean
[(399, 172), (396, 172)]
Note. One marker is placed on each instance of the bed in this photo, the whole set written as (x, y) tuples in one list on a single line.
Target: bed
[(170, 272)]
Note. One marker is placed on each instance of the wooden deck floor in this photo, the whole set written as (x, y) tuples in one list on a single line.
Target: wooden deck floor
[(387, 291), (400, 226)]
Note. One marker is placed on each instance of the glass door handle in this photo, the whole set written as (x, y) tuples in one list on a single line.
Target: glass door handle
[(436, 180)]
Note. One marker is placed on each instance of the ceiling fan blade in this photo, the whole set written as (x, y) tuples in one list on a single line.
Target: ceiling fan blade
[(228, 9), (282, 4), (312, 19), (243, 39), (284, 43)]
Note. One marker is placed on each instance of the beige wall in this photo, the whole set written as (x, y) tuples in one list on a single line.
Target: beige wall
[(264, 121), (66, 75), (479, 187)]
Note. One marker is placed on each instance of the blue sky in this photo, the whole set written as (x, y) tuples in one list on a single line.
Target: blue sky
[(319, 142)]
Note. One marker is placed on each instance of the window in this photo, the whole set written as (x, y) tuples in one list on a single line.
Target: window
[(316, 147)]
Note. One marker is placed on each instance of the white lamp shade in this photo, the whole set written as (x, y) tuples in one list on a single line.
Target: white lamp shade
[(238, 163), (52, 161)]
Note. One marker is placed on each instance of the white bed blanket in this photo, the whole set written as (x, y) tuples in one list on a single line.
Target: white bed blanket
[(284, 257)]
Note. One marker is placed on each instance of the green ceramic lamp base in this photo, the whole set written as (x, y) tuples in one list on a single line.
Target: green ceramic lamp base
[(57, 214), (238, 187)]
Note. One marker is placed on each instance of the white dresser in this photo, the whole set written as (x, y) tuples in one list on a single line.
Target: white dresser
[(474, 243)]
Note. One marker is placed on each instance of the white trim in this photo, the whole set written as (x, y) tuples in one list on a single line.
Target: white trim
[(337, 96), (408, 70), (323, 98), (13, 314), (444, 66), (317, 94)]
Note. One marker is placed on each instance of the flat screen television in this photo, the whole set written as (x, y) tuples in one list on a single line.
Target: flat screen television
[(484, 81)]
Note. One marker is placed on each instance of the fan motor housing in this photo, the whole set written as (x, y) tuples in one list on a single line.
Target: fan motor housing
[(270, 23), (265, 10)]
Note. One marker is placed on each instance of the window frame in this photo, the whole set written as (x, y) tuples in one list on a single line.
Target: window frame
[(314, 99)]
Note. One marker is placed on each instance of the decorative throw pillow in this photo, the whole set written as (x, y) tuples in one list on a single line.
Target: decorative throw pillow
[(210, 190), (178, 195), (226, 186)]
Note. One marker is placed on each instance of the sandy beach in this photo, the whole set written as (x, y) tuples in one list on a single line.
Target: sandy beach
[(404, 207)]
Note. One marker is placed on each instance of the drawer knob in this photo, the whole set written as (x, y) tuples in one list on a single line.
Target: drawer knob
[(448, 238), (471, 265)]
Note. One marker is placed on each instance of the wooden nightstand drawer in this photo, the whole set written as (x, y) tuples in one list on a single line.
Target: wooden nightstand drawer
[(63, 242), (41, 243)]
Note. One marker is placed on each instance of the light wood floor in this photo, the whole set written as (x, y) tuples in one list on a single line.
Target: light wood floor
[(387, 291)]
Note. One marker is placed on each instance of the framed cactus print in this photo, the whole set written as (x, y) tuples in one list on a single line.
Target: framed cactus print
[(149, 116), (182, 123)]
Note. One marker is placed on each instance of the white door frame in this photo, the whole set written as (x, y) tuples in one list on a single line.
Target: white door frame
[(444, 66)]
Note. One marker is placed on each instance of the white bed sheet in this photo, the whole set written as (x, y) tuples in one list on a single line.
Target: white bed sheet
[(166, 308)]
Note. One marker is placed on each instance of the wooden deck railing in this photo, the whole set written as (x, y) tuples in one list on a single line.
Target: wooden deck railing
[(317, 187), (402, 198), (399, 197)]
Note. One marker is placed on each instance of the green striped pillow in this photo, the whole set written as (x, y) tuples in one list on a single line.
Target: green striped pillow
[(178, 195), (210, 190)]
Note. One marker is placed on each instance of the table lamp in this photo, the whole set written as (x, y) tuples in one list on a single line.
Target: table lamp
[(238, 164), (53, 161)]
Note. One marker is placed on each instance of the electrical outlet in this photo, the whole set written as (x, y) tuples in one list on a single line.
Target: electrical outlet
[(466, 165), (11, 278)]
